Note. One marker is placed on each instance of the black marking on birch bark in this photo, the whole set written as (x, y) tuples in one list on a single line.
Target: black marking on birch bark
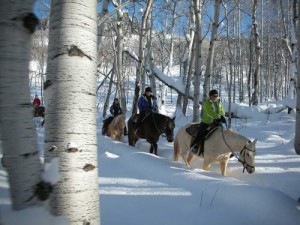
[(29, 154), (86, 223), (75, 51), (30, 21), (72, 150), (42, 191), (47, 84), (25, 104), (52, 148), (2, 162), (57, 55), (88, 167)]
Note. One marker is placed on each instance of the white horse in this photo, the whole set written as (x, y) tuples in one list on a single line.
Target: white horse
[(217, 148)]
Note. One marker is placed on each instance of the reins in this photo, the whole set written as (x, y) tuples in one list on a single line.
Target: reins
[(162, 131), (244, 163)]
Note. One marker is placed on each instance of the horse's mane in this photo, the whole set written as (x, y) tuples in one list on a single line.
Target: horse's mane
[(233, 131), (119, 120), (161, 115)]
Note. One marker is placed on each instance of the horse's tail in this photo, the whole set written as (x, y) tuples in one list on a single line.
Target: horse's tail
[(176, 149)]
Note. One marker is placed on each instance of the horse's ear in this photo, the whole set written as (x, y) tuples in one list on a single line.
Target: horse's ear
[(255, 141)]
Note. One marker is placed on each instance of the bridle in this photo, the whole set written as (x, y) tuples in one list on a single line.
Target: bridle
[(161, 130), (242, 153)]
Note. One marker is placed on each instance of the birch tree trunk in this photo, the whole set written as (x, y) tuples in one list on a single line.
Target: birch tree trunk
[(297, 127), (257, 54), (149, 57), (120, 47), (106, 103), (139, 70), (198, 63), (189, 59), (70, 91), (230, 67), (211, 52), (20, 151), (293, 63)]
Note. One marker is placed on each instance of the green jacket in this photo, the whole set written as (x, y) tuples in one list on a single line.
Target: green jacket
[(212, 111)]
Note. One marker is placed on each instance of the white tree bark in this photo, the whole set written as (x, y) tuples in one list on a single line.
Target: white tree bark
[(211, 51), (70, 126), (188, 58), (297, 127), (20, 154), (120, 48), (257, 54), (198, 59), (139, 70)]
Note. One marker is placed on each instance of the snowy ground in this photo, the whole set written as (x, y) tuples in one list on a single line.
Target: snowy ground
[(137, 188)]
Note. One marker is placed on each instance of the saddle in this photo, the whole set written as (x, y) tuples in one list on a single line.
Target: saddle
[(193, 130)]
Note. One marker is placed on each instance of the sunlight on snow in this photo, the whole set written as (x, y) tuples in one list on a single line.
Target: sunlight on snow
[(130, 186)]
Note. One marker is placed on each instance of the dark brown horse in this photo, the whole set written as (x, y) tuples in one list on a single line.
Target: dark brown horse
[(39, 114), (150, 128), (39, 111)]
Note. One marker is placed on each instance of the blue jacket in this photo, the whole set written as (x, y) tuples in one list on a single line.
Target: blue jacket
[(143, 104)]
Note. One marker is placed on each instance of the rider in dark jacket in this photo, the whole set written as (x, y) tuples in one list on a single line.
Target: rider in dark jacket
[(115, 108)]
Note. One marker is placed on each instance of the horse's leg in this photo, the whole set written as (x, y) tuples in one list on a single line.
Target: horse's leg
[(176, 150), (120, 137), (206, 164), (191, 156), (151, 148), (155, 148), (183, 156), (223, 166)]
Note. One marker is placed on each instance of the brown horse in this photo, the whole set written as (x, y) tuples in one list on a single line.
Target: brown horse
[(116, 128), (39, 111), (217, 148), (151, 127)]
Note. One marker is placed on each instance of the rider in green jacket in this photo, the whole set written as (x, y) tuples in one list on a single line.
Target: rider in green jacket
[(213, 111)]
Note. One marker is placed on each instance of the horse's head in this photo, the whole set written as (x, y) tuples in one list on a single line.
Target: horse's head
[(169, 129), (247, 156)]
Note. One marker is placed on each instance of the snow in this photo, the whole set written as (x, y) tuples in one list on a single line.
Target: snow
[(51, 171), (137, 187)]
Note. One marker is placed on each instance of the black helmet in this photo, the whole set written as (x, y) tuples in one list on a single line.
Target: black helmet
[(213, 92), (148, 89)]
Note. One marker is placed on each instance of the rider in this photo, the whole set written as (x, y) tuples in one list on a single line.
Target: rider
[(115, 108), (36, 101), (36, 104), (146, 104), (213, 110)]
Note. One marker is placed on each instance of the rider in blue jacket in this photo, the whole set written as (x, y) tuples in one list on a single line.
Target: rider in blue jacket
[(146, 104)]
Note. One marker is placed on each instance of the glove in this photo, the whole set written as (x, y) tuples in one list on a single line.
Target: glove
[(222, 119), (153, 97)]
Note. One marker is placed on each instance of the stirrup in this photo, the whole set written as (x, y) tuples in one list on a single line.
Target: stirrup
[(195, 149)]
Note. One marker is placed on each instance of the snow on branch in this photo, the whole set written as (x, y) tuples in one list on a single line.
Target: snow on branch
[(167, 80)]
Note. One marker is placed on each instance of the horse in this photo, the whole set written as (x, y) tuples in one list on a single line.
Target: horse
[(105, 125), (218, 147), (151, 127), (39, 111), (117, 127), (39, 116)]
